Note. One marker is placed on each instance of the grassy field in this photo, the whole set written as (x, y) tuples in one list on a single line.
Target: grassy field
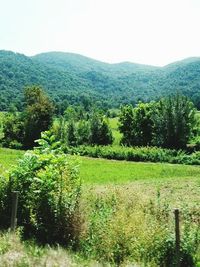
[(113, 122), (179, 185), (102, 171), (145, 193), (1, 124), (176, 182), (8, 158)]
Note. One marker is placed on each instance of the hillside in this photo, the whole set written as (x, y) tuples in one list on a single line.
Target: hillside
[(73, 78)]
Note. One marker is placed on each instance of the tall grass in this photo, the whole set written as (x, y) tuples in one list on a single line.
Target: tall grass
[(17, 253), (122, 228)]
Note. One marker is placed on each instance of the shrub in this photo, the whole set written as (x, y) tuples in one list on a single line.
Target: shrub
[(143, 154), (49, 188)]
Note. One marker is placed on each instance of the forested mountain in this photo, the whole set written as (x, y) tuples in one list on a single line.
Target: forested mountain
[(72, 78)]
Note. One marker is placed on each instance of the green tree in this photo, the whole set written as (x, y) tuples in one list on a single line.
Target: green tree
[(38, 114), (70, 113), (100, 132), (168, 123), (136, 124), (71, 134), (174, 122), (126, 120), (83, 132), (50, 189), (13, 130)]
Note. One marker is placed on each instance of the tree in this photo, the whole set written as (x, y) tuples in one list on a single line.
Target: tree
[(100, 132), (38, 114), (126, 120), (83, 132), (168, 123), (174, 122), (71, 134), (13, 130), (136, 124)]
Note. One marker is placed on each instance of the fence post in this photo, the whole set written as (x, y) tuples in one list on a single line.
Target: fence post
[(177, 236), (14, 210)]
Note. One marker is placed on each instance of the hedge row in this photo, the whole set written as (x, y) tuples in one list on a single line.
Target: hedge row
[(143, 154)]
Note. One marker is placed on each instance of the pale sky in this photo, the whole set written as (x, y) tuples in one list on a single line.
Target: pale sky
[(155, 32)]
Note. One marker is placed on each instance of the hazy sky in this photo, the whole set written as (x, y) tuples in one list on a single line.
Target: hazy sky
[(153, 32)]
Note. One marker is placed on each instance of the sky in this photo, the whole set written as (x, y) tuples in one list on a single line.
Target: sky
[(154, 32)]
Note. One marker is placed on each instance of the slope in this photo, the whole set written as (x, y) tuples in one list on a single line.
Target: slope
[(76, 79)]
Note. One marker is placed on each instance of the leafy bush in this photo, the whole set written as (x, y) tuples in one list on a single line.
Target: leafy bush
[(49, 188), (143, 154)]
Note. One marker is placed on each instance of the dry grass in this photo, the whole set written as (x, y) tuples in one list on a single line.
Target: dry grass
[(135, 221), (15, 253)]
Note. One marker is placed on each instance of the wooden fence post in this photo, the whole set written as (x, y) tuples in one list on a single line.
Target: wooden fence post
[(15, 195), (177, 236)]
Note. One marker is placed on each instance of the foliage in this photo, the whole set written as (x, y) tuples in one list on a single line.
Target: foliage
[(13, 130), (137, 124), (49, 188), (95, 130), (71, 134), (100, 132), (77, 80), (21, 129), (168, 123), (126, 124), (83, 132), (142, 154), (121, 227), (38, 114), (174, 121)]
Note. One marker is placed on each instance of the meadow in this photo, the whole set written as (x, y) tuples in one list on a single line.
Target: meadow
[(137, 197), (113, 122), (9, 158), (107, 172)]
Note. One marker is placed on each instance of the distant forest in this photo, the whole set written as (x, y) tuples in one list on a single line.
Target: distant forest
[(72, 79)]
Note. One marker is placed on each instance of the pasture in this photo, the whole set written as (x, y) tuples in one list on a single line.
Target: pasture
[(113, 122), (128, 209), (178, 183)]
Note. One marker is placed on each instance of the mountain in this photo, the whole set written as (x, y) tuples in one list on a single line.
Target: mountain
[(76, 79)]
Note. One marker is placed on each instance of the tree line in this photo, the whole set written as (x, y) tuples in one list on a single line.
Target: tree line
[(76, 127), (170, 123)]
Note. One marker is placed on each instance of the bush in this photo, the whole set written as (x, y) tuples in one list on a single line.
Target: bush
[(152, 154), (143, 154), (49, 188)]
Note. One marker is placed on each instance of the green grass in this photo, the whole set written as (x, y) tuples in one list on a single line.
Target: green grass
[(177, 182), (1, 124), (101, 171), (8, 158), (142, 191), (113, 122)]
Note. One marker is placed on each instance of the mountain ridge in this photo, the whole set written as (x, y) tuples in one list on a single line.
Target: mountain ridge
[(74, 78)]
